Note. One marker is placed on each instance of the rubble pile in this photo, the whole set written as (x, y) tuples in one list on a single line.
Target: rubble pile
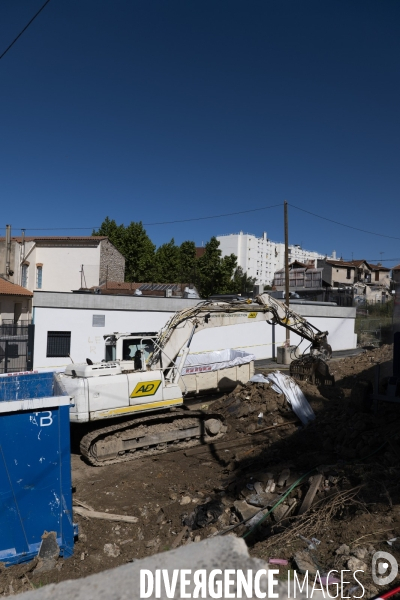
[(345, 427), (253, 406), (317, 497)]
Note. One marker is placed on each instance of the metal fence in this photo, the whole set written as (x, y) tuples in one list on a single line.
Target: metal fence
[(369, 332), (16, 347)]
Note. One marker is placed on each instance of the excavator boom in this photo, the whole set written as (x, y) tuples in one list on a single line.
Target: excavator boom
[(180, 328)]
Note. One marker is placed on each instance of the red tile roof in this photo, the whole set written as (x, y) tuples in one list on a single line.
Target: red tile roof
[(339, 263), (12, 289), (358, 263), (396, 268), (378, 267)]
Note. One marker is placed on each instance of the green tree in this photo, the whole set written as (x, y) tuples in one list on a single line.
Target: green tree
[(215, 274), (167, 263), (139, 253), (187, 261), (241, 282)]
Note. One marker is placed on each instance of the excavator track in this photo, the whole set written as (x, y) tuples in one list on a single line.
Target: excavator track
[(151, 435)]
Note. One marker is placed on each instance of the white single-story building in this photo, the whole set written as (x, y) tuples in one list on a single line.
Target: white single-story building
[(71, 326)]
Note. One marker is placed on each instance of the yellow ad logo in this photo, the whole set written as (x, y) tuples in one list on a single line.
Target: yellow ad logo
[(252, 315), (145, 388)]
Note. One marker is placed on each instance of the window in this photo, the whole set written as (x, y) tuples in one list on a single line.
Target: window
[(348, 276), (130, 347), (58, 343), (99, 321), (24, 276), (39, 271), (376, 275)]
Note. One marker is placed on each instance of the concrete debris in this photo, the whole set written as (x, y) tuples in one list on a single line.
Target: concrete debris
[(270, 486), (262, 500), (153, 543), (283, 477), (360, 553), (258, 487), (343, 550), (111, 550), (185, 500), (305, 562), (280, 512), (355, 564), (244, 510)]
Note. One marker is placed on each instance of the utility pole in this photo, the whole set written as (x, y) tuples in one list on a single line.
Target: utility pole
[(8, 251), (285, 205)]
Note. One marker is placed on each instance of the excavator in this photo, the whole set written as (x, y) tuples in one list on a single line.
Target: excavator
[(149, 391)]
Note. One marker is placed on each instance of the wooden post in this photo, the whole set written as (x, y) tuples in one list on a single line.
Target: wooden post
[(285, 205)]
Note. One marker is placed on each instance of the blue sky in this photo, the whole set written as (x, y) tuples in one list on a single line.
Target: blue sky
[(165, 110)]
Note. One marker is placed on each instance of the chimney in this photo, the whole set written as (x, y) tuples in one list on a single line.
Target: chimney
[(334, 254)]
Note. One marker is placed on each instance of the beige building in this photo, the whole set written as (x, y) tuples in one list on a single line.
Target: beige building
[(380, 275), (337, 273), (369, 283), (60, 264), (15, 303), (396, 274)]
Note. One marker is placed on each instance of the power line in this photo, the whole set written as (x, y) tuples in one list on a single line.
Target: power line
[(240, 212), (24, 29), (344, 225), (373, 260)]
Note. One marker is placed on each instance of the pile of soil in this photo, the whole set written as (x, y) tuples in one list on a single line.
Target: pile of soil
[(185, 496)]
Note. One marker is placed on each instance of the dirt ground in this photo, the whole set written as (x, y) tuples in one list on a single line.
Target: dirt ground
[(353, 452)]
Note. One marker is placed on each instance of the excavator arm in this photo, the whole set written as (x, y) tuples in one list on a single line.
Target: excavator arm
[(179, 330)]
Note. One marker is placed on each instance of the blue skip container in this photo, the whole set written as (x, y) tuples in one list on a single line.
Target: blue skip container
[(35, 467)]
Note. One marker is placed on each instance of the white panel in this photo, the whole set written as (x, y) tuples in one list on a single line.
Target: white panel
[(108, 392)]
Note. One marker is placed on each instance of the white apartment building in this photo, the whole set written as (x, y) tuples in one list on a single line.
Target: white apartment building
[(261, 257)]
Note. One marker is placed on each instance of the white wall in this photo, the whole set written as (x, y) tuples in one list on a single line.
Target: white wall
[(87, 341), (61, 269)]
